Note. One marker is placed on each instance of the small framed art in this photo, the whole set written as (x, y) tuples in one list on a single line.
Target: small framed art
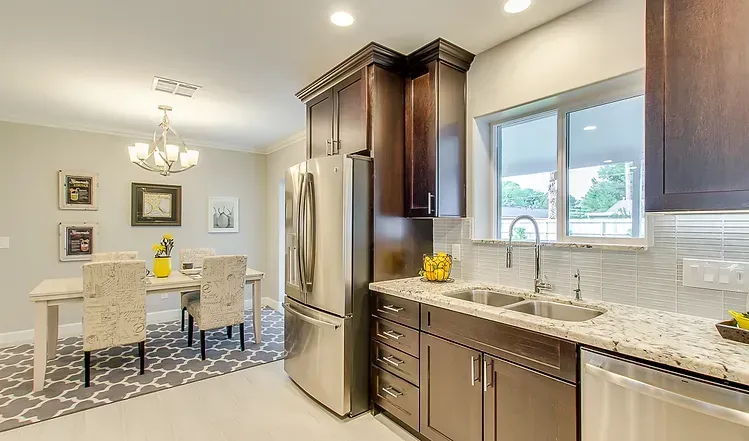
[(78, 190), (223, 215), (77, 241)]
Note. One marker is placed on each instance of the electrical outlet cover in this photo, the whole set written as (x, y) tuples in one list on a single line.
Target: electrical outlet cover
[(456, 252), (4, 242), (716, 274)]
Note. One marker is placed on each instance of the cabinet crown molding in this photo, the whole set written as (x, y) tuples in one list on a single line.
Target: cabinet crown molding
[(444, 51), (373, 53)]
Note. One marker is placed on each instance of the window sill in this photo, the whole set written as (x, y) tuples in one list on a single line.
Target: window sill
[(583, 245)]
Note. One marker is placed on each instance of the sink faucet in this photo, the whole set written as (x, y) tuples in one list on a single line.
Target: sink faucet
[(578, 296), (538, 284)]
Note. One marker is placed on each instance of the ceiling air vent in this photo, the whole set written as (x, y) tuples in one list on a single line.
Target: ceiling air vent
[(174, 87)]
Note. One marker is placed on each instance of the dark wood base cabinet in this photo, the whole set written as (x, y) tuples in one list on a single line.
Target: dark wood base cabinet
[(523, 405), (478, 380), (451, 395)]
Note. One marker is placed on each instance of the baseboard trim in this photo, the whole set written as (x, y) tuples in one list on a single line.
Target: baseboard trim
[(76, 329), (271, 303)]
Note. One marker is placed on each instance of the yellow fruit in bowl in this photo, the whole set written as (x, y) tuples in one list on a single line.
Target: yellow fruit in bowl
[(436, 267)]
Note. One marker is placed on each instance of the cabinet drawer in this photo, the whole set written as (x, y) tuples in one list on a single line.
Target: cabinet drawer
[(396, 396), (395, 335), (543, 353), (405, 312), (396, 362)]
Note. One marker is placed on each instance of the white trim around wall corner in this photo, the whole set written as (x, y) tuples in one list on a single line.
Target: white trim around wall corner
[(76, 329)]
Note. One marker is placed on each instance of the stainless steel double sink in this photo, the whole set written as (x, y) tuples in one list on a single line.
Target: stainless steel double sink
[(540, 308)]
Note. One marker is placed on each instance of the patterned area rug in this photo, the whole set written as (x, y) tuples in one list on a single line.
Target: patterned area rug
[(114, 371)]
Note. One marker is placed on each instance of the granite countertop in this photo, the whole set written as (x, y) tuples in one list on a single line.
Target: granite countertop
[(682, 341)]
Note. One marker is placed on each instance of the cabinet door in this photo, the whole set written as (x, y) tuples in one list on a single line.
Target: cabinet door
[(450, 401), (350, 96), (320, 125), (451, 142), (522, 405), (697, 135), (421, 143)]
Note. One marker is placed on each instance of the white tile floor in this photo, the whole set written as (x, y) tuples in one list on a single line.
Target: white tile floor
[(258, 404)]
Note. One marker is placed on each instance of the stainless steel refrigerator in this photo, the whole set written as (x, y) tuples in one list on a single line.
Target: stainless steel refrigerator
[(328, 243)]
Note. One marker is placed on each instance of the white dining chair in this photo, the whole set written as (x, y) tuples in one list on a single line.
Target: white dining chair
[(115, 255), (114, 308), (221, 300), (194, 256)]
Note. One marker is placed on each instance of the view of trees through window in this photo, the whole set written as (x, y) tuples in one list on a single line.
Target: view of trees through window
[(604, 174)]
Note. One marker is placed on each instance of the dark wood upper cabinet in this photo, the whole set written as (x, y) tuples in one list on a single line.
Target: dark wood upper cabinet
[(320, 125), (341, 104), (350, 114), (436, 130), (697, 129), (451, 394), (522, 405)]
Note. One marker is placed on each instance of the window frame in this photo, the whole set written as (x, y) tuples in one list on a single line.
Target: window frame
[(563, 106)]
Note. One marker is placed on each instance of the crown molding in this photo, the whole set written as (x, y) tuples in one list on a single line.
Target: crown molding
[(444, 51), (285, 142), (371, 53), (140, 136)]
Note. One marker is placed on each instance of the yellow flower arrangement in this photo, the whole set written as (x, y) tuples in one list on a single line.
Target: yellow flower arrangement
[(165, 247)]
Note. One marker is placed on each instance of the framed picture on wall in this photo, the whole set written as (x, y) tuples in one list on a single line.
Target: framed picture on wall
[(155, 205), (223, 214), (77, 241), (78, 190)]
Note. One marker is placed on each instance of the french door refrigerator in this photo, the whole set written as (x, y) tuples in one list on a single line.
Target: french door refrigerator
[(328, 242)]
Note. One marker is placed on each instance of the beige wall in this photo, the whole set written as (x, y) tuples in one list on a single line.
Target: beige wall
[(601, 40), (277, 163), (30, 157)]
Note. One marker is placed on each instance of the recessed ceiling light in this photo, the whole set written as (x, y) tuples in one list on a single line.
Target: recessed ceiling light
[(342, 19), (515, 6), (608, 161), (589, 128)]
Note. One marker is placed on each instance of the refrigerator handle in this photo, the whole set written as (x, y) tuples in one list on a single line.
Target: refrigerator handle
[(301, 248), (310, 194)]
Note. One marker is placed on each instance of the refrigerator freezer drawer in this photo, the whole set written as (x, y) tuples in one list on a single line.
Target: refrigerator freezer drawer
[(316, 354)]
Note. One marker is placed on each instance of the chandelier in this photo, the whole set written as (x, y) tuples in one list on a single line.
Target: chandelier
[(162, 157)]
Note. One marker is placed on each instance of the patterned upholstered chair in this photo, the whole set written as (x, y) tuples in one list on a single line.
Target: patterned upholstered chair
[(116, 255), (194, 256), (114, 308), (221, 300)]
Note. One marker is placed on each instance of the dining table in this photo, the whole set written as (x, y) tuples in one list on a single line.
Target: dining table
[(51, 293)]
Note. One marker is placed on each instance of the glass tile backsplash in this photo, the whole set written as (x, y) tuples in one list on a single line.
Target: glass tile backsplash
[(648, 278)]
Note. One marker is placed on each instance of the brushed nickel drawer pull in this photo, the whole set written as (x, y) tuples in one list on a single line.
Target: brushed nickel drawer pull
[(392, 334), (392, 308), (392, 360), (395, 393)]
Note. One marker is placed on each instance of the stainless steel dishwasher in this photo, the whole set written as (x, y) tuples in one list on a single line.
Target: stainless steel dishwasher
[(626, 401)]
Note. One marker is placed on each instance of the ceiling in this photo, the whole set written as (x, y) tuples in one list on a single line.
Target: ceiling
[(89, 64)]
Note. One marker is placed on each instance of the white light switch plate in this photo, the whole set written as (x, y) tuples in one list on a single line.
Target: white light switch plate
[(4, 242), (716, 274), (456, 252)]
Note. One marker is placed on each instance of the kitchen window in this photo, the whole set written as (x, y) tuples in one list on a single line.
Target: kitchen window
[(577, 168)]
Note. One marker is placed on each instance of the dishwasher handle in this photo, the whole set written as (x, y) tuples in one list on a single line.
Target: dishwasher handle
[(710, 409)]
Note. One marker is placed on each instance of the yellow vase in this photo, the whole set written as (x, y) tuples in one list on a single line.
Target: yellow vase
[(162, 266)]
